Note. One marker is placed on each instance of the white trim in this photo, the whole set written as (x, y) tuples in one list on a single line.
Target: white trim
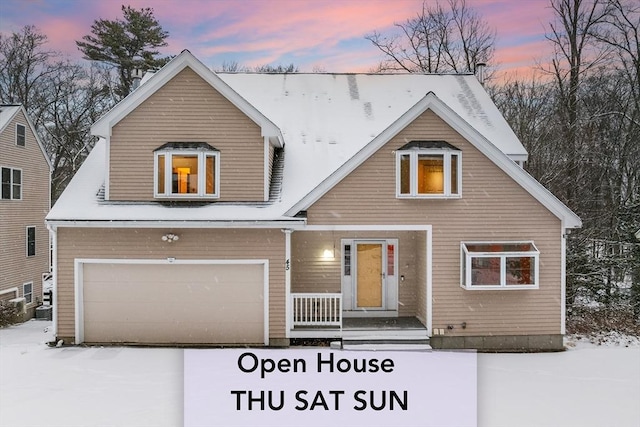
[(14, 290), (54, 269), (107, 173), (563, 282), (266, 178), (287, 281), (25, 135), (429, 284), (413, 174), (79, 282), (202, 174), (293, 223), (11, 169), (185, 59), (373, 227), (431, 102), (466, 260)]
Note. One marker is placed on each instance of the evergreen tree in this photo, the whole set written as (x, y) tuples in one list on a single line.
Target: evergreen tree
[(126, 44)]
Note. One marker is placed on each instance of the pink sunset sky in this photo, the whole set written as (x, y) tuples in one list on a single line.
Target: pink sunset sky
[(312, 34)]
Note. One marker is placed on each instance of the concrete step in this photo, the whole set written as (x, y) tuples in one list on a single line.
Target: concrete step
[(385, 344)]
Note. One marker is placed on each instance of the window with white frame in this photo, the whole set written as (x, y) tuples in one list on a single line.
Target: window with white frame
[(21, 135), (187, 170), (27, 292), (31, 241), (428, 169), (11, 184), (499, 265)]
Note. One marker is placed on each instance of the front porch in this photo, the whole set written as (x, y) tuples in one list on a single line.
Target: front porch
[(363, 284), (322, 316)]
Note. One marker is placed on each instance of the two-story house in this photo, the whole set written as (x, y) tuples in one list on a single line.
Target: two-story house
[(24, 201), (259, 208)]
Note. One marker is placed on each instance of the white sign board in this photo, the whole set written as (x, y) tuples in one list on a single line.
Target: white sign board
[(322, 387)]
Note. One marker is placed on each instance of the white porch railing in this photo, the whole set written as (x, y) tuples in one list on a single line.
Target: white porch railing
[(319, 309)]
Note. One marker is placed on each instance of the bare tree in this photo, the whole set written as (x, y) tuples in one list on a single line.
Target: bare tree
[(25, 68), (76, 97), (582, 131), (61, 97), (572, 35), (439, 39)]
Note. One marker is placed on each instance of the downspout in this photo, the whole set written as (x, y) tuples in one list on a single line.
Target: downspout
[(53, 237), (563, 279), (287, 280)]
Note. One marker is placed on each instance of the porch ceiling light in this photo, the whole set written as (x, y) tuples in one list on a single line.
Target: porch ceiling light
[(170, 237)]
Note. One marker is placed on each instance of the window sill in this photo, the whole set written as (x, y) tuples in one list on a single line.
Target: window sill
[(499, 288), (429, 196), (185, 197)]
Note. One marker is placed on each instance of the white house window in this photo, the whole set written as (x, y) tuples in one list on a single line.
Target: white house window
[(31, 241), (11, 185), (27, 292), (428, 169), (187, 170), (499, 265), (21, 135)]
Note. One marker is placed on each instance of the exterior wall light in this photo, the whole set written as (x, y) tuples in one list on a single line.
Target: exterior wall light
[(170, 237)]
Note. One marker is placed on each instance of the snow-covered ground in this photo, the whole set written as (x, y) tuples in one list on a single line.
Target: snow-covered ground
[(588, 385)]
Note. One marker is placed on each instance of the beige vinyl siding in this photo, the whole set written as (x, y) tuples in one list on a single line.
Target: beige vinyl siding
[(186, 109), (493, 207), (218, 244), (16, 268), (310, 272)]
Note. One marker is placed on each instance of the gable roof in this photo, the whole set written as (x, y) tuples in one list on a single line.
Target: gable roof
[(8, 112), (331, 123), (433, 103), (103, 126)]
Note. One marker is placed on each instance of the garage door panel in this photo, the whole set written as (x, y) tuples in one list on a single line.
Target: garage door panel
[(174, 303), (193, 333)]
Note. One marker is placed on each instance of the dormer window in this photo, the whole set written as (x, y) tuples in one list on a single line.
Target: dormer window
[(428, 169), (187, 170)]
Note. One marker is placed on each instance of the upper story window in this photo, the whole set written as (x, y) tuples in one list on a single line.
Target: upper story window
[(21, 135), (428, 169), (11, 188), (31, 241), (499, 265), (187, 170)]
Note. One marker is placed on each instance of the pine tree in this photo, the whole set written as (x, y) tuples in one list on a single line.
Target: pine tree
[(126, 44)]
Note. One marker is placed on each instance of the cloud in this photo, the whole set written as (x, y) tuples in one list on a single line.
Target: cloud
[(329, 33)]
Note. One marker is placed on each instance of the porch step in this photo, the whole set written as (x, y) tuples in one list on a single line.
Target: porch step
[(386, 344)]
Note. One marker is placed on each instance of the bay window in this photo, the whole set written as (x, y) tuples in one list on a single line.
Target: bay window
[(428, 169), (499, 265), (187, 170)]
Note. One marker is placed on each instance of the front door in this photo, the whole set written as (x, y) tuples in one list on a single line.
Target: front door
[(370, 276)]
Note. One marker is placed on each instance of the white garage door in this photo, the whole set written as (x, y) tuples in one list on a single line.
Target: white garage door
[(173, 303)]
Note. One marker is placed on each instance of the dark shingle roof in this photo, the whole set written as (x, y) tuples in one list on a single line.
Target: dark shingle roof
[(428, 145)]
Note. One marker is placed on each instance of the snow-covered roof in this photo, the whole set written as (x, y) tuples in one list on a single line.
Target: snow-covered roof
[(330, 123), (6, 114)]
